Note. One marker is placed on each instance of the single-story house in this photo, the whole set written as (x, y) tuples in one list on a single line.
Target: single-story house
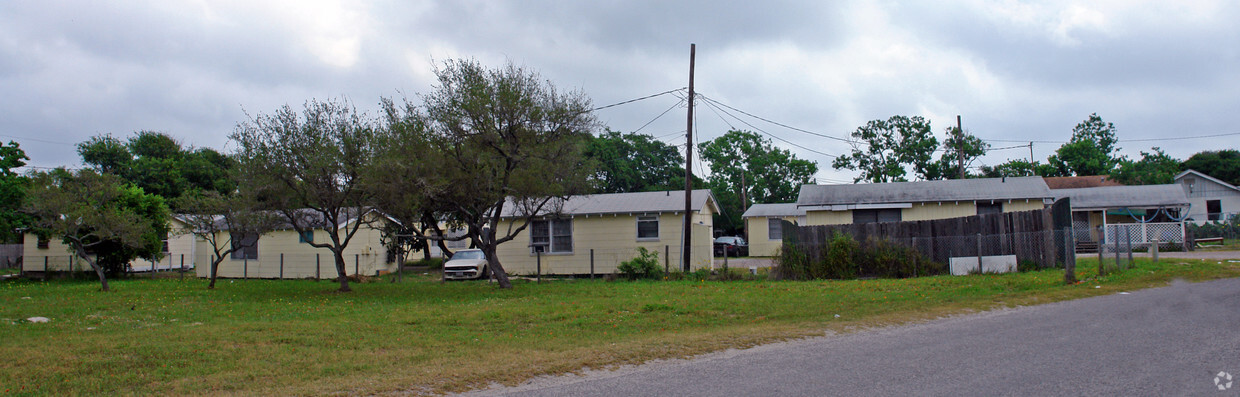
[(607, 229), (53, 255), (923, 200), (285, 253), (1077, 182), (1143, 212), (1210, 198), (762, 222)]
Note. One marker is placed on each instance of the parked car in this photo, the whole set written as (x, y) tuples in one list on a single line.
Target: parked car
[(731, 246), (466, 265)]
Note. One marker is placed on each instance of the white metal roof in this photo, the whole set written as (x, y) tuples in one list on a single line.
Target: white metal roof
[(1011, 188)]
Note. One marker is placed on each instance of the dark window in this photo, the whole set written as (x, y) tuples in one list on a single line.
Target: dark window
[(246, 245), (556, 235), (305, 237), (648, 228), (774, 228), (877, 215), (1213, 209), (43, 242), (989, 208)]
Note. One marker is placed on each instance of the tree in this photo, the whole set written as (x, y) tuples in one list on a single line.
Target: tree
[(12, 191), (1152, 169), (98, 213), (313, 167), (505, 143), (634, 163), (747, 168), (1221, 164), (958, 146), (1091, 151), (884, 149), (220, 219), (157, 163)]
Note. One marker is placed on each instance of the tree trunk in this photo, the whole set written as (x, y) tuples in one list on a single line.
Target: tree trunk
[(341, 272), (215, 268), (103, 280), (497, 270)]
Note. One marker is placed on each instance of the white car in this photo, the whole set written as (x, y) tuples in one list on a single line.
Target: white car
[(466, 265)]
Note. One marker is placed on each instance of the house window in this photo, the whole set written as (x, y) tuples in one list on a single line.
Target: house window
[(458, 244), (245, 245), (774, 228), (1213, 209), (648, 227), (989, 208), (556, 235), (43, 242), (876, 215), (306, 237)]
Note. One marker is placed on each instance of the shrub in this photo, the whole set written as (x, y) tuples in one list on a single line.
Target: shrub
[(644, 266)]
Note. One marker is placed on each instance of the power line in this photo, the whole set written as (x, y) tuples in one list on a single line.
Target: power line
[(36, 139), (1177, 138), (636, 99), (784, 125), (710, 102), (659, 116)]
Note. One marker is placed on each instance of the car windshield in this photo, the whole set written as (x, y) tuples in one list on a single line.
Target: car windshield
[(468, 255)]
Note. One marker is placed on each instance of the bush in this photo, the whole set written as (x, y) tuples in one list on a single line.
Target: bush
[(644, 266), (431, 264), (846, 258)]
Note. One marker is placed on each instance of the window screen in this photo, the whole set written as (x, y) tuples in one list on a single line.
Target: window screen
[(246, 245), (774, 229), (648, 227)]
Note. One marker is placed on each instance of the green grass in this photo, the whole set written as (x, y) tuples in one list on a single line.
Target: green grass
[(1228, 244), (165, 336)]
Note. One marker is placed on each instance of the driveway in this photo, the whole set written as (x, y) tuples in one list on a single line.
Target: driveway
[(1165, 341)]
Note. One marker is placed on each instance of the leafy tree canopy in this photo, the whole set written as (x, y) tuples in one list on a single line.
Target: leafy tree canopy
[(743, 161), (1152, 169), (1091, 151), (1221, 164), (98, 213), (158, 164), (12, 191), (883, 150), (634, 163)]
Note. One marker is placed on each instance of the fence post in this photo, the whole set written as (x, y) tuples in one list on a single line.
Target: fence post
[(1117, 248), (318, 269), (979, 254), (591, 263), (281, 265), (356, 265), (1154, 249), (245, 268), (1128, 242), (45, 267), (538, 255), (667, 260), (1069, 257), (182, 266), (1102, 245)]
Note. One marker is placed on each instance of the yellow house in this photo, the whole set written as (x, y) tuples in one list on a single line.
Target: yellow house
[(53, 255), (285, 253), (923, 200), (762, 223), (602, 230)]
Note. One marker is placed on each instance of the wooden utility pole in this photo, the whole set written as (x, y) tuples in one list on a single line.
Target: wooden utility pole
[(1030, 154), (960, 150), (688, 240), (744, 193)]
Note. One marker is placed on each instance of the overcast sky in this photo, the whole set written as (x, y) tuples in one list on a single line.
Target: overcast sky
[(1019, 71)]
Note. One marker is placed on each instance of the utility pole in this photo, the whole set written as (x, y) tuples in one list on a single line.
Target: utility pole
[(688, 239), (960, 150), (744, 193), (1031, 154)]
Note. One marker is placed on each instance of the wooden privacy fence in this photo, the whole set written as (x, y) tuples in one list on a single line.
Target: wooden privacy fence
[(1030, 235)]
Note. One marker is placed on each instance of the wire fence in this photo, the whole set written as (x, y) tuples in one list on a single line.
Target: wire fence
[(10, 256)]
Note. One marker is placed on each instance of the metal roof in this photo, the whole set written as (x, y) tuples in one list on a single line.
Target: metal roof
[(1181, 175), (1013, 188), (1143, 196), (626, 203), (776, 210)]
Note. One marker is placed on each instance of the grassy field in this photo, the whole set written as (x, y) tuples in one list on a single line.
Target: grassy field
[(164, 336)]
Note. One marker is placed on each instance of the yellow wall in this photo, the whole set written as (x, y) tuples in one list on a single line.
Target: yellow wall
[(828, 217), (760, 243), (613, 239), (59, 258), (365, 254)]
